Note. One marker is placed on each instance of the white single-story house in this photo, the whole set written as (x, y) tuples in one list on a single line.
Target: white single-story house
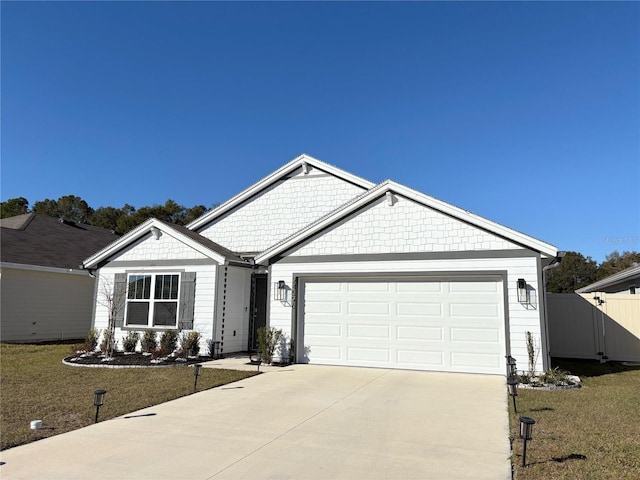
[(46, 296), (353, 273)]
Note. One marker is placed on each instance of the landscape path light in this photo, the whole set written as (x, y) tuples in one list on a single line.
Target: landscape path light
[(98, 401), (512, 371), (512, 386), (196, 373), (526, 428)]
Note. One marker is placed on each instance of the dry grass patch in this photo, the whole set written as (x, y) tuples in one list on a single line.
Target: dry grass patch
[(587, 433), (35, 385)]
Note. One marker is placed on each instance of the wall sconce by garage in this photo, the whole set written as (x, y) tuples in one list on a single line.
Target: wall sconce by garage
[(523, 292), (526, 428), (98, 401), (512, 388), (280, 291), (196, 373)]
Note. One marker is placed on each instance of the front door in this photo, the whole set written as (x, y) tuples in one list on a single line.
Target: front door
[(258, 308)]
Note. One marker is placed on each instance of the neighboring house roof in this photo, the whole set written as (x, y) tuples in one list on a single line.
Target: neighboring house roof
[(628, 274), (391, 187), (40, 240), (271, 179), (193, 239)]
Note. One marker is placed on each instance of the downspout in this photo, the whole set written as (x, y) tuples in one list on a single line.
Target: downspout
[(554, 264)]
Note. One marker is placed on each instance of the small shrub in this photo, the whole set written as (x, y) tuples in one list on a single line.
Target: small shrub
[(105, 344), (77, 349), (130, 342), (554, 376), (211, 347), (169, 341), (149, 342), (190, 343), (91, 342), (268, 340)]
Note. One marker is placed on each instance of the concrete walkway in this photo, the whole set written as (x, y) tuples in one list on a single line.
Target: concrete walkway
[(297, 422)]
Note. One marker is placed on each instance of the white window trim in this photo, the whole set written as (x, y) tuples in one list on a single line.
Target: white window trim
[(152, 301)]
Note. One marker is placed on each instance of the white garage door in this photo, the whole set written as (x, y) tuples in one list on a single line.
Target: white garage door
[(451, 325)]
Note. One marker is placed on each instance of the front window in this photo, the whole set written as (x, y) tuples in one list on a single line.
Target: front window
[(152, 300)]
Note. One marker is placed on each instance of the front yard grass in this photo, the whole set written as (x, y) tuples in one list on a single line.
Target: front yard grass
[(588, 433), (35, 385)]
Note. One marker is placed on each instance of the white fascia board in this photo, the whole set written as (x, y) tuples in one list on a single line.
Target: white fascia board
[(431, 202), (273, 178), (142, 230), (40, 268)]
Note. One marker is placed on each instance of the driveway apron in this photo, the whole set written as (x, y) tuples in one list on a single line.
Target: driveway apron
[(297, 422)]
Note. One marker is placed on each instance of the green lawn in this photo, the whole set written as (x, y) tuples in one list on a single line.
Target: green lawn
[(35, 385), (587, 433)]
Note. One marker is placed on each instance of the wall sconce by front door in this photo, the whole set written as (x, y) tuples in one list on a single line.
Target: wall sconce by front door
[(280, 291), (523, 292)]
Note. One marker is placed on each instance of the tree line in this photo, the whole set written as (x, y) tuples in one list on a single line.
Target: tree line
[(575, 270), (120, 220)]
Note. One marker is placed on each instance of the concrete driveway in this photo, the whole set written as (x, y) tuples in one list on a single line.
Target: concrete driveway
[(299, 422)]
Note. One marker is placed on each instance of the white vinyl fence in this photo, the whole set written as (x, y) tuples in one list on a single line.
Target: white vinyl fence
[(603, 326)]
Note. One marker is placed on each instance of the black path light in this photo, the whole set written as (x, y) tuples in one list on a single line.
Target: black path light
[(512, 386), (98, 401), (512, 371), (196, 373), (526, 428)]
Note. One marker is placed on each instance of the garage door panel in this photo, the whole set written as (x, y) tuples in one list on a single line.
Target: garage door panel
[(475, 335), (417, 333), (473, 310), (365, 354), (368, 308), (324, 330), (408, 358), (445, 325), (475, 360), (422, 309), (368, 331)]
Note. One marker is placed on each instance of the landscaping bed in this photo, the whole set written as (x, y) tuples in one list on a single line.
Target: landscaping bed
[(121, 359)]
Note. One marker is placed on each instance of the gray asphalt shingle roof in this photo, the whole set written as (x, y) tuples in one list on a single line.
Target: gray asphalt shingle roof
[(33, 239)]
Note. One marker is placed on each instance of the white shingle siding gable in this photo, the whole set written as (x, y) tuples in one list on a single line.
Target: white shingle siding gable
[(165, 247), (281, 210), (404, 227)]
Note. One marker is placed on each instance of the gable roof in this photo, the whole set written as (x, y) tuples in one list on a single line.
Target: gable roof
[(44, 241), (266, 182), (426, 200), (627, 274), (194, 240)]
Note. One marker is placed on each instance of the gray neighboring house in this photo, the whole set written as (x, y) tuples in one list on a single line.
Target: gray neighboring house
[(45, 295), (626, 281)]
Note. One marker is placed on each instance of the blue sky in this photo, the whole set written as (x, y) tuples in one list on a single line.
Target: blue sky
[(525, 113)]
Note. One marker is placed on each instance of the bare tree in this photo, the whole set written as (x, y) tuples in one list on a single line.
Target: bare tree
[(112, 296)]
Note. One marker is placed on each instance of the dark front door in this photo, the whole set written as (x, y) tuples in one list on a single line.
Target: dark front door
[(258, 307)]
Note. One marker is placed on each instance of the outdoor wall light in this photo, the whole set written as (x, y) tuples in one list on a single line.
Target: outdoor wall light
[(523, 294), (512, 388), (98, 401), (196, 373), (526, 428), (280, 291)]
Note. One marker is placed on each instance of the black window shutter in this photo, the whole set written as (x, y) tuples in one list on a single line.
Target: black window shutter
[(187, 300), (120, 288)]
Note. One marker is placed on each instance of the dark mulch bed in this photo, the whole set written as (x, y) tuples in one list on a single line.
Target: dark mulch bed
[(132, 360)]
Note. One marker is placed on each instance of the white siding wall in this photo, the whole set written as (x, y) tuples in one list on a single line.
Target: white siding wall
[(281, 211), (233, 309), (204, 300), (164, 248), (522, 318), (404, 227), (39, 306)]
